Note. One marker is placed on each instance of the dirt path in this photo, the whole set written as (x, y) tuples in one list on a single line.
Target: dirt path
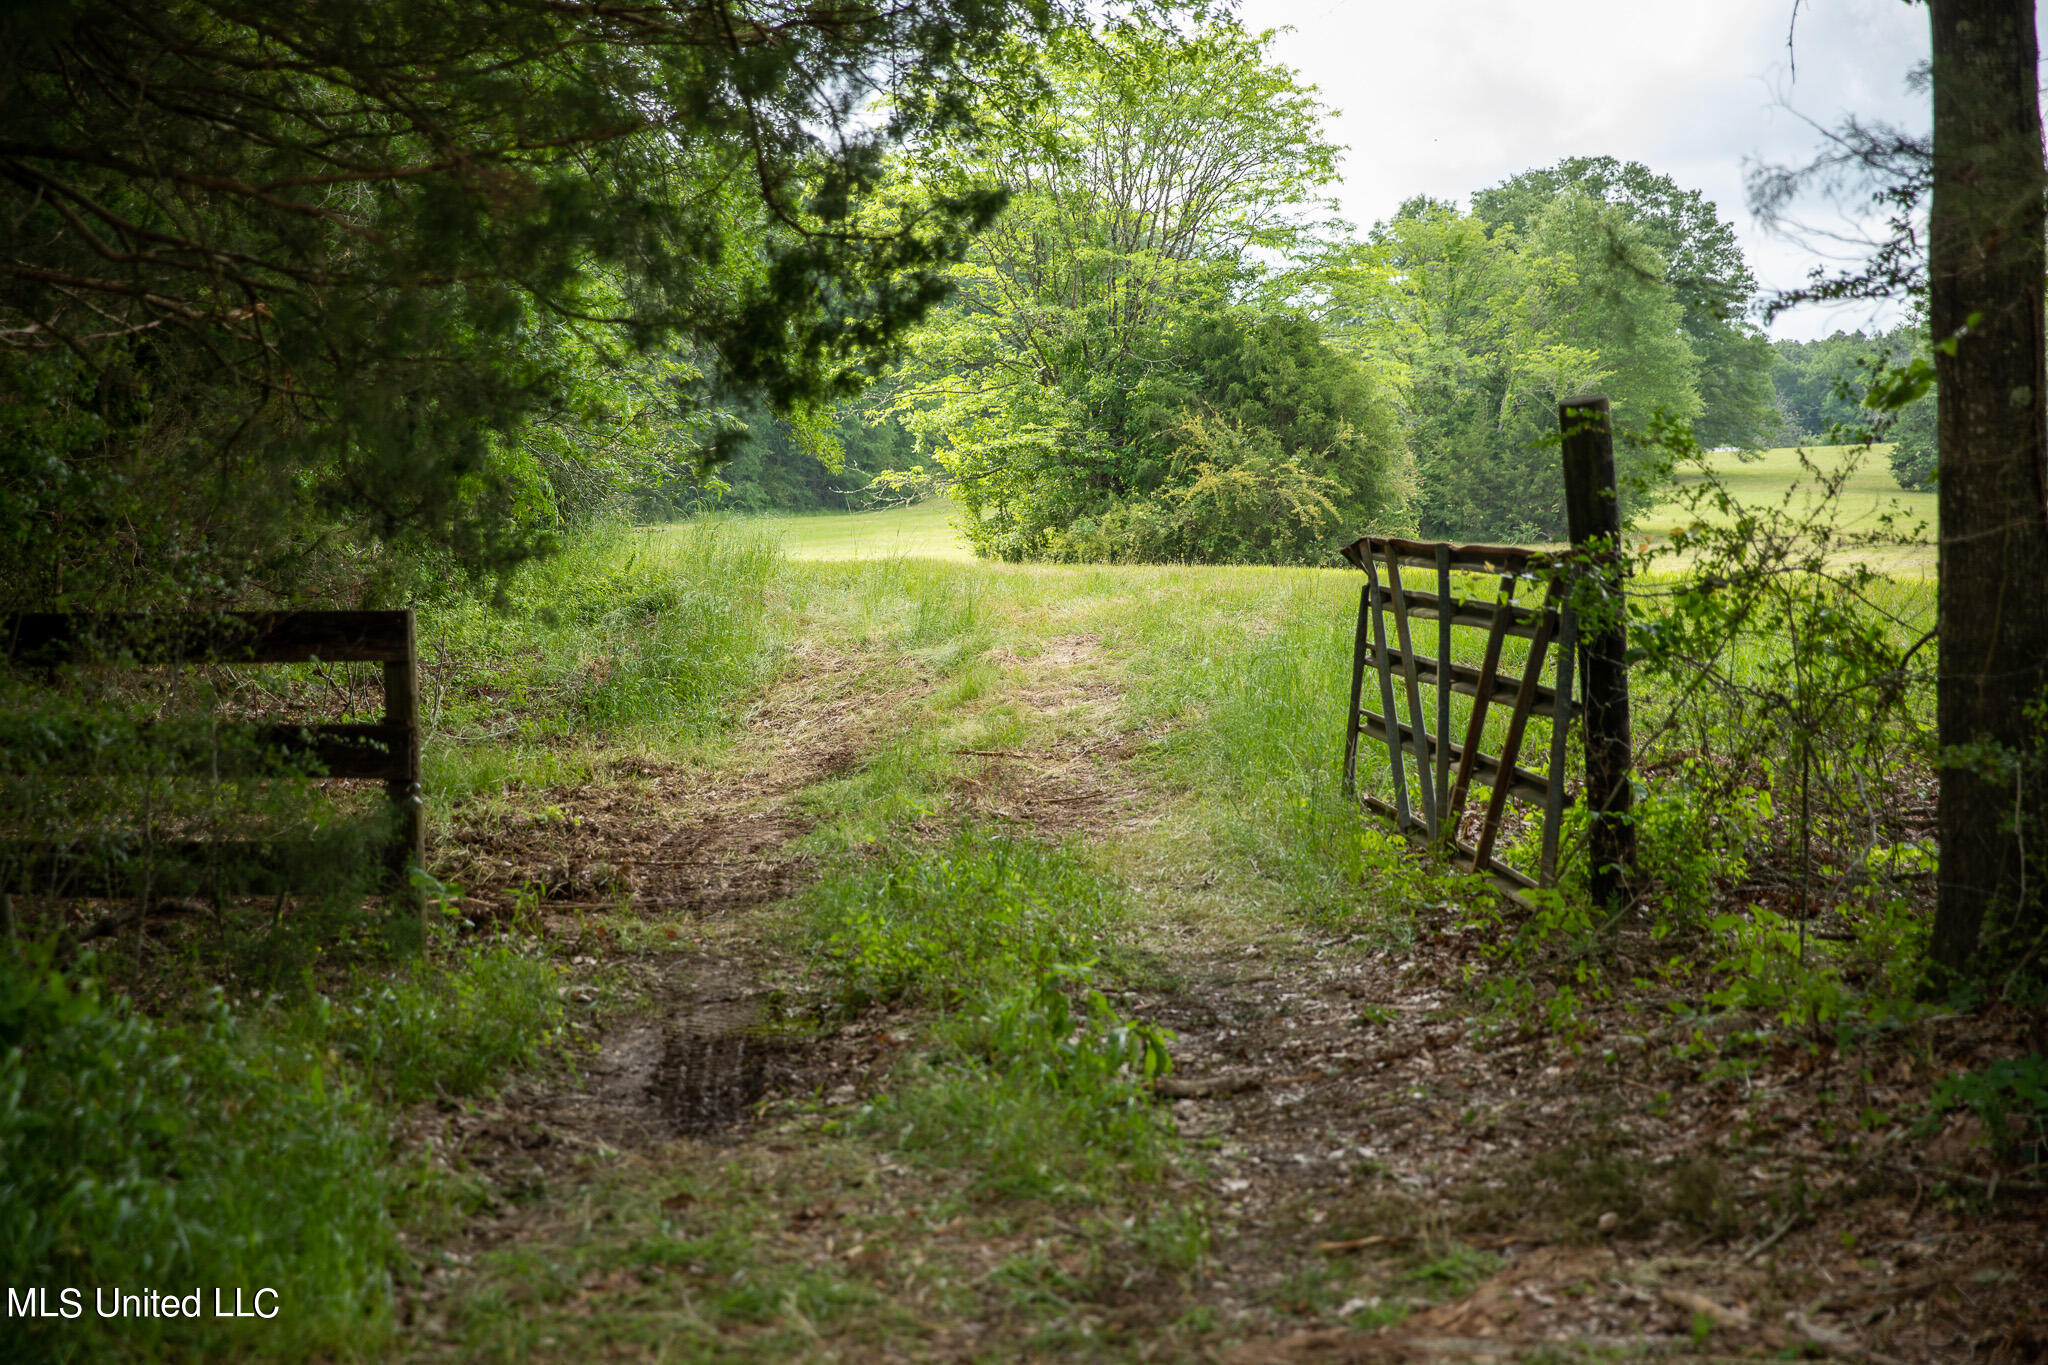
[(1386, 1175)]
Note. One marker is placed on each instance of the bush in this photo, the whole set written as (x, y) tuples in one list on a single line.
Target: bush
[(1235, 498), (1254, 441)]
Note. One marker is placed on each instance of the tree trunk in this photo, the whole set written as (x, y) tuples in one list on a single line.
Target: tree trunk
[(1986, 263)]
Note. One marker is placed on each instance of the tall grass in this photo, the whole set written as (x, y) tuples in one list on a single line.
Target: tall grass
[(621, 629), (141, 1155), (1257, 725)]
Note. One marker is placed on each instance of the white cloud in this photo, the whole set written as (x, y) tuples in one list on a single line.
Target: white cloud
[(1446, 98)]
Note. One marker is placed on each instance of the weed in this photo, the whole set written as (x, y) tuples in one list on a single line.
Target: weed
[(427, 1030), (2010, 1098), (1039, 1100), (138, 1153), (985, 912)]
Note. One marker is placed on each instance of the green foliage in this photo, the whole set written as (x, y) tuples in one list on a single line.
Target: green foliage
[(145, 785), (1042, 1100), (770, 463), (1108, 326), (359, 292), (620, 628), (2010, 1098), (1913, 454), (1034, 1081), (1254, 719), (987, 913), (1776, 647), (447, 1031), (137, 1154), (1231, 498), (1494, 328), (1857, 387), (1704, 269)]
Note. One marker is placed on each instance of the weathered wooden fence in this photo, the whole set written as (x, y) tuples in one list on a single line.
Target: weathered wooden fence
[(387, 752), (1445, 771)]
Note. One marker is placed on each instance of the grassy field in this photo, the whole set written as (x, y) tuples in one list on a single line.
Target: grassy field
[(1776, 479), (923, 531)]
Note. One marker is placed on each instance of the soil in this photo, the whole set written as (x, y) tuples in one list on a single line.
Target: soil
[(1631, 1181)]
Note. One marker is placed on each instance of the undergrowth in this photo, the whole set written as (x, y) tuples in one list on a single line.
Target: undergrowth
[(141, 1154), (1031, 1078)]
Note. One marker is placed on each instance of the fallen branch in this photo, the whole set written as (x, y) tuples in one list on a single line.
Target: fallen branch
[(1836, 1342), (1378, 1239), (1178, 1088), (1700, 1305), (1767, 1243)]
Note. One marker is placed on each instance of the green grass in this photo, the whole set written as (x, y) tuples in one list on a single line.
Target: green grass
[(1223, 687), (1869, 495), (985, 913), (922, 531), (926, 530), (139, 1154)]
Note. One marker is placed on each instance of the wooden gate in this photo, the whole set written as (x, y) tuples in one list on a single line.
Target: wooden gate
[(1445, 772)]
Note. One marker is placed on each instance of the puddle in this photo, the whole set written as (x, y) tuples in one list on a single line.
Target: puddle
[(707, 1081)]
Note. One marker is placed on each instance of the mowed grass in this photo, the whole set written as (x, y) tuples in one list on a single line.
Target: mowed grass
[(922, 531), (1777, 478), (1869, 495), (1247, 665)]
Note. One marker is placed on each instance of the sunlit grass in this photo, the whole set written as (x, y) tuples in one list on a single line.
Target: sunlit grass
[(922, 531), (1871, 502)]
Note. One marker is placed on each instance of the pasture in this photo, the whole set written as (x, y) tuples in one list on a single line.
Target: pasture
[(1776, 478)]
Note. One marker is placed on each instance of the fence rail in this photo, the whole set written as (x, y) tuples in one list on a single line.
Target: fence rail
[(387, 752), (1387, 613)]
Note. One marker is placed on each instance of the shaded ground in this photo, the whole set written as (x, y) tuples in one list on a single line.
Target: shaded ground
[(1386, 1175)]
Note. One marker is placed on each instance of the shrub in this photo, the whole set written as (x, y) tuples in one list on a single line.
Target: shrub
[(1234, 497)]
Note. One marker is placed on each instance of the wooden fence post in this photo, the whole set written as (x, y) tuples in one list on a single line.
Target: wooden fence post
[(1593, 513), (402, 708)]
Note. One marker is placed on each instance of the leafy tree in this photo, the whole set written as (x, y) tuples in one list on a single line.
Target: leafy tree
[(283, 279), (1496, 326), (775, 464), (1820, 383), (1145, 195), (1703, 267), (1266, 433), (1913, 436), (1824, 387)]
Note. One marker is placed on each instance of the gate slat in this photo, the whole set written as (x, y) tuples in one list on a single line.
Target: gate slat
[(1511, 748), (1420, 731)]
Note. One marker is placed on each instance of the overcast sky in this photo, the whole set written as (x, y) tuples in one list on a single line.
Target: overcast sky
[(1442, 97)]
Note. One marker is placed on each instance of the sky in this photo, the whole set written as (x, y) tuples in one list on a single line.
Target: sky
[(1443, 97)]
